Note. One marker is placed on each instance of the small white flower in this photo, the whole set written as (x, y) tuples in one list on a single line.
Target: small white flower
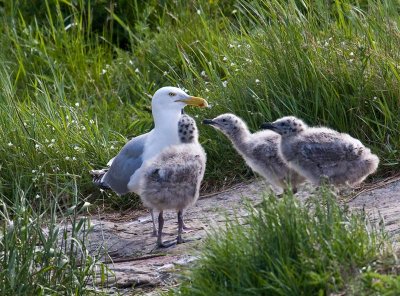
[(37, 196), (10, 225), (67, 158), (74, 158), (351, 54), (131, 62), (25, 124), (67, 117), (257, 81), (37, 146), (83, 128), (107, 66), (209, 62), (165, 73), (34, 171), (225, 59), (76, 104), (85, 205), (10, 144), (224, 83), (207, 90), (91, 121), (69, 26), (137, 70), (53, 140), (112, 147), (234, 11), (203, 73), (239, 45), (104, 71), (198, 11), (76, 148), (231, 46), (233, 64), (351, 60)]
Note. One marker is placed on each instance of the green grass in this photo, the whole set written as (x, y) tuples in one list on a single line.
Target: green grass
[(44, 252), (285, 248)]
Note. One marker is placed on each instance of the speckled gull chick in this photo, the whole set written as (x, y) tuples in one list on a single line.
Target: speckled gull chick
[(320, 153), (167, 105), (260, 150), (171, 180)]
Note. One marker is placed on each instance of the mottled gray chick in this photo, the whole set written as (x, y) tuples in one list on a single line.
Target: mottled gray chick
[(171, 180), (320, 153), (260, 150)]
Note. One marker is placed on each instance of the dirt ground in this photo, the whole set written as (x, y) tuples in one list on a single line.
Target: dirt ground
[(139, 267)]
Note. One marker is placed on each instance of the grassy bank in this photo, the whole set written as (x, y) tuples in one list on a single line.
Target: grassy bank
[(70, 94), (285, 248)]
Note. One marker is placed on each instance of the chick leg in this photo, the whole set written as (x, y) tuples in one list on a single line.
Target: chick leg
[(154, 223), (160, 227), (180, 227)]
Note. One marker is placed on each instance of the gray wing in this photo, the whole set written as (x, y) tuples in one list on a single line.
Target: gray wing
[(124, 165), (328, 154)]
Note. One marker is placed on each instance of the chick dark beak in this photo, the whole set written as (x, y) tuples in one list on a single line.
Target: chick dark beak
[(268, 125), (208, 121)]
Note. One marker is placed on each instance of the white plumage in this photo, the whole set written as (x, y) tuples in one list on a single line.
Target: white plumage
[(260, 150), (320, 153)]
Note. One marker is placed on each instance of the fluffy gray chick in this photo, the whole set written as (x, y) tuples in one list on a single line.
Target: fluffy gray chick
[(318, 153), (260, 150), (171, 180)]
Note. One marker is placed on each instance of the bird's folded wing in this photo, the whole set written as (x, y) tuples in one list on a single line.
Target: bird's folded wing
[(328, 154), (124, 165)]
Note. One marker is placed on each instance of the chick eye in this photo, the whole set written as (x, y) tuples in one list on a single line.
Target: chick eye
[(171, 94)]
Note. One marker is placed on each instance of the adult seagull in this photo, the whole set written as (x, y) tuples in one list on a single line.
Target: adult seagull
[(167, 105)]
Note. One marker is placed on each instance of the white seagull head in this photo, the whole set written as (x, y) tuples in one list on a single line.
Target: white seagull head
[(173, 98)]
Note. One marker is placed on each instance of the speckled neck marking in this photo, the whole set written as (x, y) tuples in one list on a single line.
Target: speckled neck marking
[(187, 129)]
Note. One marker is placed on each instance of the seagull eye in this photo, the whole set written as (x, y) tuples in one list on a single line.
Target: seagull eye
[(223, 120), (171, 94)]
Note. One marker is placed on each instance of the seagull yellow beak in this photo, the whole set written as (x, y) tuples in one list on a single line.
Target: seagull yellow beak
[(194, 101)]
